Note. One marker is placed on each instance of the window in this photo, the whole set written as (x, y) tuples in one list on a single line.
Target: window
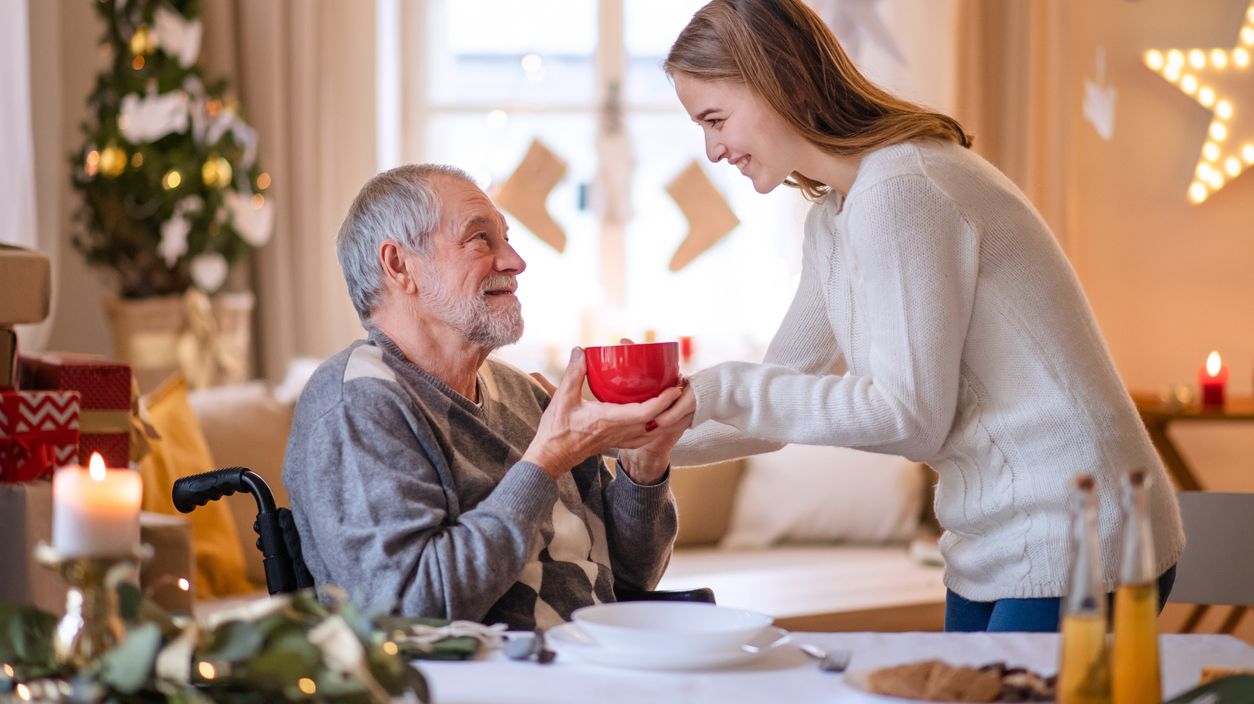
[(496, 74)]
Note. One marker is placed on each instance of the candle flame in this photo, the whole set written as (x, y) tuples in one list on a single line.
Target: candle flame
[(1213, 364), (96, 467)]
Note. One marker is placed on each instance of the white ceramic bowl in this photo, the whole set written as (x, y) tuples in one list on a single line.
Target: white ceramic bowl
[(669, 626)]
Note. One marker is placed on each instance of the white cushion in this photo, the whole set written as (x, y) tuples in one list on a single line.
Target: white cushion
[(806, 493)]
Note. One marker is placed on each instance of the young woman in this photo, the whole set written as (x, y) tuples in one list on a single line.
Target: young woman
[(968, 342)]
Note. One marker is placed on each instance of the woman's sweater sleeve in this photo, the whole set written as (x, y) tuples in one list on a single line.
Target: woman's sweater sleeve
[(804, 342), (916, 263)]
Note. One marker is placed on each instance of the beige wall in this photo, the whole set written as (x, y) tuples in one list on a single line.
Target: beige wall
[(1169, 280), (64, 61)]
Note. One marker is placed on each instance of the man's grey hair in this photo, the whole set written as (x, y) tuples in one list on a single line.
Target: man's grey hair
[(400, 205)]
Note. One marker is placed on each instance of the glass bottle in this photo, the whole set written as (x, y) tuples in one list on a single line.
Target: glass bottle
[(1135, 670), (1084, 663)]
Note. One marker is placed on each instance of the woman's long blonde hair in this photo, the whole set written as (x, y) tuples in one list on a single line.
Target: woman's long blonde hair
[(785, 53)]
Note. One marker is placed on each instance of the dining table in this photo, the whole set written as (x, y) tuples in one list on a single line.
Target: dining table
[(787, 674)]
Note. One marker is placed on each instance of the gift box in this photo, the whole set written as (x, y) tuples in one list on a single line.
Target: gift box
[(38, 433), (27, 278), (105, 385), (25, 521), (8, 358)]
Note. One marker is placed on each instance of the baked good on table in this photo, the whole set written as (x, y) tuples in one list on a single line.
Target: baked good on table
[(937, 681)]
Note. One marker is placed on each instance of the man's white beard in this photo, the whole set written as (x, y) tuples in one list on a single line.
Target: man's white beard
[(478, 323)]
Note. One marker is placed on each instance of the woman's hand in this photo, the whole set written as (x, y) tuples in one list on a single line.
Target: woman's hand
[(573, 429), (647, 464), (682, 411)]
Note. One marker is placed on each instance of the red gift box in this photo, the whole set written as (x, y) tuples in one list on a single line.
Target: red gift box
[(38, 433), (105, 386)]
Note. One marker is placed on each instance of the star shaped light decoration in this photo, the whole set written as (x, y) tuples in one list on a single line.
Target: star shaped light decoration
[(1214, 78)]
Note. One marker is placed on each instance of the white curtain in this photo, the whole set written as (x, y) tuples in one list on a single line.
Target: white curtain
[(17, 178)]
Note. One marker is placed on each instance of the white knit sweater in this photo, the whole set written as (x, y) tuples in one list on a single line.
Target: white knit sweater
[(969, 346)]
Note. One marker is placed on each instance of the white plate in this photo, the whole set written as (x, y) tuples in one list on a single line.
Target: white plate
[(664, 626), (568, 640)]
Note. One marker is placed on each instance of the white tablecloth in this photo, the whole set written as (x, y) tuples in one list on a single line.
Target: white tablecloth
[(787, 675)]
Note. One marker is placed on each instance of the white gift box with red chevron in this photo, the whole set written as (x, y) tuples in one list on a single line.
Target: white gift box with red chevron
[(38, 433)]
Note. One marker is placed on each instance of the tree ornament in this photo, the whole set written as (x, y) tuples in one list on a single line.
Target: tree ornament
[(112, 161), (216, 172), (141, 43)]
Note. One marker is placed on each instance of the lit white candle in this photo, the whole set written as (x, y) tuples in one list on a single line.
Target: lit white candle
[(95, 512)]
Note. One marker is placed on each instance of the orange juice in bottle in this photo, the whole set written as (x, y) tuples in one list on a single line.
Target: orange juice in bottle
[(1135, 674), (1084, 663)]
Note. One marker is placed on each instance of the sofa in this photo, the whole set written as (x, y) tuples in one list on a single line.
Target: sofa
[(811, 585)]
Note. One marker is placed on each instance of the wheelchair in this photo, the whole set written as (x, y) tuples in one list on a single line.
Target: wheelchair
[(279, 541)]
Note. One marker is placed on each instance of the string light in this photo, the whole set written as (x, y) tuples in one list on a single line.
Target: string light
[(183, 584), (137, 63), (1197, 73), (206, 670), (390, 648), (172, 179), (137, 160), (258, 200), (263, 180), (307, 686)]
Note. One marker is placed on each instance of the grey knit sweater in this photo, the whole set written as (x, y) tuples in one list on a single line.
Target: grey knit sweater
[(413, 498)]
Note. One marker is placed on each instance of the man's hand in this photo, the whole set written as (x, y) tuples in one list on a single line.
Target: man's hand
[(573, 429)]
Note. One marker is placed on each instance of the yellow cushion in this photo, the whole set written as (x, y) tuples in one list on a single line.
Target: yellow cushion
[(182, 451)]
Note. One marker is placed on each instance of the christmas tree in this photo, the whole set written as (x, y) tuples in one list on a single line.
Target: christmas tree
[(172, 191)]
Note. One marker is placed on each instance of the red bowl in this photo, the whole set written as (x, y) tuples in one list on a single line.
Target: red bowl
[(632, 373)]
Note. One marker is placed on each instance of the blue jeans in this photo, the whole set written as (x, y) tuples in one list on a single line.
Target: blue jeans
[(1019, 615)]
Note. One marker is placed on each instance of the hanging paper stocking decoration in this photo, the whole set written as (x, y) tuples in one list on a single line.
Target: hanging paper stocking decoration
[(1099, 100), (710, 219), (525, 192)]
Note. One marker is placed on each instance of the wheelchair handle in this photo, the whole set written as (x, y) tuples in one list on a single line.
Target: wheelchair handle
[(199, 489)]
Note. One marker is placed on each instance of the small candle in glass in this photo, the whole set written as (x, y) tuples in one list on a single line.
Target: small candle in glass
[(1212, 377), (95, 511)]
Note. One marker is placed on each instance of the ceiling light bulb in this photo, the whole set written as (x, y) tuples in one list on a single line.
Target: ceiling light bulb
[(1232, 165), (1219, 58), (1218, 132), (1247, 153), (1247, 36), (1189, 84), (1175, 57), (1197, 59), (1154, 59), (1172, 72), (1241, 57), (1211, 151), (1224, 109)]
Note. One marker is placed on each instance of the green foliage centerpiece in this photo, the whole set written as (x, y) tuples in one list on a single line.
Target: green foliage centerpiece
[(288, 648)]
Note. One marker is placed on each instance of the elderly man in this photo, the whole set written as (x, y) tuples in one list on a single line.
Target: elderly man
[(431, 479)]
